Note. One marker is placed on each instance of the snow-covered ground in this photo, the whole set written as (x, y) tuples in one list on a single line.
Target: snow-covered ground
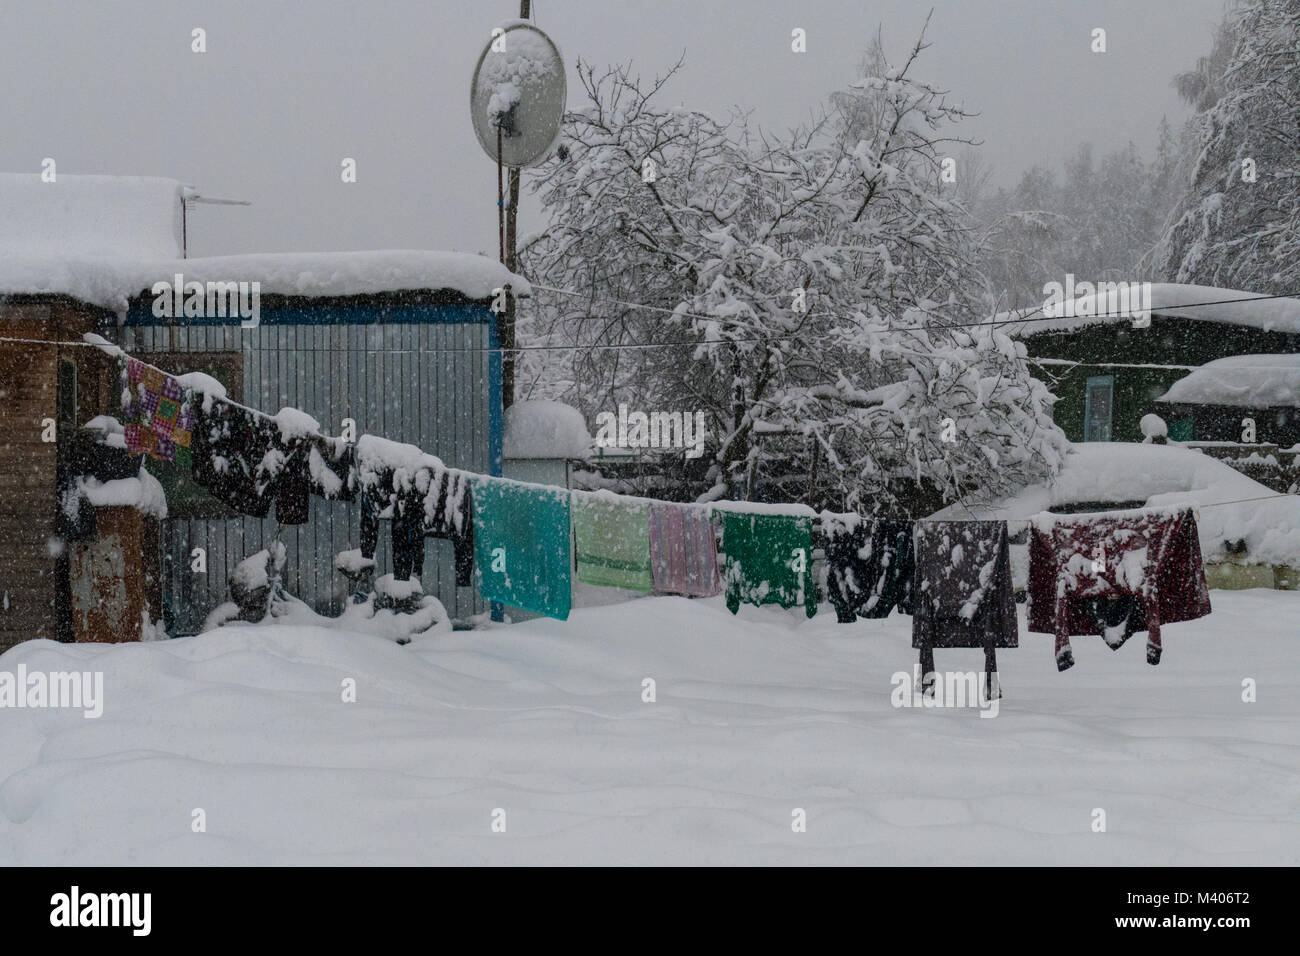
[(755, 716)]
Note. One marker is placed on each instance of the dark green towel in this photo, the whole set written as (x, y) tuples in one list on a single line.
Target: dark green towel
[(521, 545), (764, 557)]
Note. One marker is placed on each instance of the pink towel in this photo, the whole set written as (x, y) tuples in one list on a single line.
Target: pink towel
[(683, 552)]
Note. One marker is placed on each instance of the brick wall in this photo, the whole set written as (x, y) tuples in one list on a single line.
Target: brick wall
[(29, 393)]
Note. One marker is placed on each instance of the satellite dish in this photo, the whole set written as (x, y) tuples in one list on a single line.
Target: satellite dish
[(519, 89)]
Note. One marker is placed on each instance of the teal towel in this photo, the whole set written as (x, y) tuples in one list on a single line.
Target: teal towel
[(522, 551)]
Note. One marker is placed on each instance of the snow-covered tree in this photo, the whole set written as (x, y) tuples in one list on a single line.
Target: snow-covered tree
[(817, 294), (1240, 222)]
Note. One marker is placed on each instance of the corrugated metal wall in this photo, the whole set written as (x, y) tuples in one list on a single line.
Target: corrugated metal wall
[(428, 383)]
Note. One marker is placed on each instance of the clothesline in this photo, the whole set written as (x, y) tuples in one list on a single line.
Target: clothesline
[(472, 348), (518, 543), (116, 351)]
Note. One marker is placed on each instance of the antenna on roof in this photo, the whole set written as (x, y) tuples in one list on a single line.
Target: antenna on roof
[(191, 195)]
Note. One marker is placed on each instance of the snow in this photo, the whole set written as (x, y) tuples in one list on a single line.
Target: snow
[(143, 493), (545, 429), (755, 716), (294, 423), (528, 60), (111, 432), (204, 384), (793, 508), (375, 454), (352, 563), (398, 590), (251, 573), (1164, 476), (104, 345), (505, 96), (89, 217), (1153, 426), (1175, 301), (322, 476), (109, 282), (1244, 381)]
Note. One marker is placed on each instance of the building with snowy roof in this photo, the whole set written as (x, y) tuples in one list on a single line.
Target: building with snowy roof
[(542, 440), (1107, 373), (1219, 396), (397, 343)]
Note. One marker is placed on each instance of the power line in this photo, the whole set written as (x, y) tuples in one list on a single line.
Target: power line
[(995, 322), (1189, 368), (697, 343)]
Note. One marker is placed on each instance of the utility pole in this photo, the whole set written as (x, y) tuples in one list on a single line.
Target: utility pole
[(511, 263)]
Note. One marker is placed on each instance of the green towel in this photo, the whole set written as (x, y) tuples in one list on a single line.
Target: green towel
[(769, 560), (613, 538), (521, 545)]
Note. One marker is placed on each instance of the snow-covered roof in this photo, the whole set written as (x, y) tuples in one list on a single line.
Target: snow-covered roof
[(107, 239), (1244, 381), (545, 429), (89, 216), (110, 282), (1232, 506), (1229, 307)]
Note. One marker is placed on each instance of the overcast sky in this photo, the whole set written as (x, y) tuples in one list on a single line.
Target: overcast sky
[(287, 89)]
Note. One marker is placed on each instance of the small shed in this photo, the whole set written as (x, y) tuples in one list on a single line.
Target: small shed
[(542, 439), (1212, 402)]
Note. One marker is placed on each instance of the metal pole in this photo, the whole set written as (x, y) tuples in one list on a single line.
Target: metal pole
[(501, 202)]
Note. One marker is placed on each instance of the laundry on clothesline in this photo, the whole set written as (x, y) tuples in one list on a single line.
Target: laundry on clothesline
[(250, 461), (422, 498), (962, 592), (230, 443), (1111, 574), (612, 537), (1114, 574), (522, 553), (683, 550), (869, 565), (157, 412), (332, 468), (768, 560), (285, 468)]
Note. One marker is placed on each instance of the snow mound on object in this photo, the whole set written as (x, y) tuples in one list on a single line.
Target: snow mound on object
[(545, 429), (89, 216), (204, 384), (375, 454), (109, 282), (1153, 426), (1230, 307), (143, 493), (1164, 476), (295, 423), (252, 573), (351, 562), (527, 60), (1247, 381), (398, 590)]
